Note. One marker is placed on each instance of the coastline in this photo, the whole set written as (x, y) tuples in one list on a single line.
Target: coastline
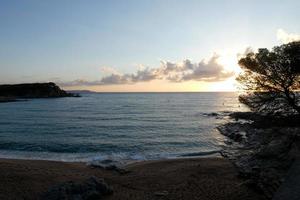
[(262, 148), (187, 178)]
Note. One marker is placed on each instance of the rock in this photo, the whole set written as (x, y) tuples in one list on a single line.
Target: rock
[(263, 150), (277, 147), (162, 193), (90, 189), (261, 120), (246, 116), (33, 90), (234, 131), (213, 114)]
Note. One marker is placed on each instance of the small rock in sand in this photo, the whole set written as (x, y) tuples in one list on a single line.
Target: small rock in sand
[(92, 188), (161, 193)]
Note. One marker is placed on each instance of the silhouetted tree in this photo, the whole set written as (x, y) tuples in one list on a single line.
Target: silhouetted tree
[(271, 79)]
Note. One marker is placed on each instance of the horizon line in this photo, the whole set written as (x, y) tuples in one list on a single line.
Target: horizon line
[(90, 91)]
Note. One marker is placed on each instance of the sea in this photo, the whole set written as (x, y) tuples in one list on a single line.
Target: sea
[(121, 127)]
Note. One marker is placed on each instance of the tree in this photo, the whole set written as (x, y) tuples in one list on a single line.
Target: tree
[(271, 79)]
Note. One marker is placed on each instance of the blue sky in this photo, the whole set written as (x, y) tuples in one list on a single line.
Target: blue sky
[(69, 40)]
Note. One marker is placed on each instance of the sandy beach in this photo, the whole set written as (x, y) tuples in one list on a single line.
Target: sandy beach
[(192, 178)]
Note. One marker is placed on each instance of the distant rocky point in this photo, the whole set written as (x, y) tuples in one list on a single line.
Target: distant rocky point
[(10, 93)]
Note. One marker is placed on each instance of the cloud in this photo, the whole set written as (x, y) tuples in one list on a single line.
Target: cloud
[(285, 37), (109, 70), (208, 71)]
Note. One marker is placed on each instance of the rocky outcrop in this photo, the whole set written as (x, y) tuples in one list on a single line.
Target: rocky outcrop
[(33, 90), (92, 188), (262, 148)]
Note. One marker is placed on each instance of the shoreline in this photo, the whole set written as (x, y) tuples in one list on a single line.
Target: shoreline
[(262, 147), (20, 155), (188, 178)]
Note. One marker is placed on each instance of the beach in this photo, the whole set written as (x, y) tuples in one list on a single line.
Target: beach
[(190, 178), (150, 100)]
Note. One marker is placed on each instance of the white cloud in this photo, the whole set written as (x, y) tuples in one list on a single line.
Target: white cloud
[(285, 37), (208, 71)]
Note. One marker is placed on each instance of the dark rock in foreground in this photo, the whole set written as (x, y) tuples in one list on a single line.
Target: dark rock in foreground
[(92, 188), (32, 90), (262, 148)]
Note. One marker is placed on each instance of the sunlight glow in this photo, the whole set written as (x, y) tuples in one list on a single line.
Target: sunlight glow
[(229, 61), (165, 86), (224, 86)]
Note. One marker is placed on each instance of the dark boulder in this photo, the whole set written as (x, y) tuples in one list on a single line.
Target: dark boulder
[(262, 148), (90, 189)]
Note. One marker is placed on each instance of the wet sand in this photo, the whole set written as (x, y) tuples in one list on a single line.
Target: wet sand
[(191, 178)]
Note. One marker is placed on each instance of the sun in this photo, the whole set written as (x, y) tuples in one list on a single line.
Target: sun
[(230, 64), (228, 59)]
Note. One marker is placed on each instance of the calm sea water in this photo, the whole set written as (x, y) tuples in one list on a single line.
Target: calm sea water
[(118, 126)]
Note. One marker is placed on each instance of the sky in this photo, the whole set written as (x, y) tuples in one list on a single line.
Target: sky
[(138, 46)]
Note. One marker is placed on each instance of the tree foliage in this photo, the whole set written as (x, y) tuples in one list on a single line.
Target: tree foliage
[(271, 79)]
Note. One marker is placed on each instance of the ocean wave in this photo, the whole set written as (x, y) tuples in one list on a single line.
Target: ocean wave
[(99, 159)]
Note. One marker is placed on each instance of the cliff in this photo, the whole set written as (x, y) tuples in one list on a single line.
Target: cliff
[(33, 90)]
